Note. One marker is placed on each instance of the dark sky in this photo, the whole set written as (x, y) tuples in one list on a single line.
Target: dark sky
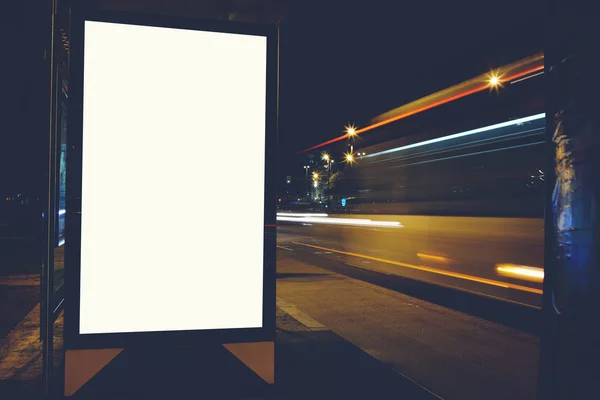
[(20, 132), (348, 61)]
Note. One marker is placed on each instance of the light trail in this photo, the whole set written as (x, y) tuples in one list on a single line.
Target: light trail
[(461, 134), (527, 77), (283, 214), (402, 116), (425, 108), (471, 154), (431, 257), (471, 278), (511, 72), (533, 274), (524, 73), (342, 221), (464, 146)]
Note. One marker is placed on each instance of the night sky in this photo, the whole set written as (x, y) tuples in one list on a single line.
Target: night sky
[(349, 63), (341, 62), (23, 123)]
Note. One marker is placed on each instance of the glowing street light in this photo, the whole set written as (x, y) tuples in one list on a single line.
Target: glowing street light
[(351, 133), (329, 161), (350, 130), (349, 158), (494, 80), (307, 194)]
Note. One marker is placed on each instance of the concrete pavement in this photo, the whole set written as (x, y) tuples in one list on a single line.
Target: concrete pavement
[(311, 362), (19, 281)]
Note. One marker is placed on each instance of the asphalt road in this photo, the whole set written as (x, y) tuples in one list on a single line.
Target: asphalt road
[(460, 252), (433, 336)]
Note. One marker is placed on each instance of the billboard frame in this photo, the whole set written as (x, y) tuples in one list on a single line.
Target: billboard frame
[(73, 338)]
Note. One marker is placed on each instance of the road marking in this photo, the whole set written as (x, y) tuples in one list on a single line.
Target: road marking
[(285, 248), (453, 287), (301, 317), (432, 270)]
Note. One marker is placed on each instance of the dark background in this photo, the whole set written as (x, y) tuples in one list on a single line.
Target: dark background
[(341, 62), (346, 62)]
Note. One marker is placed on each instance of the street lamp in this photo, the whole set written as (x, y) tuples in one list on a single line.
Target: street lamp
[(306, 168), (349, 158), (351, 133), (494, 80), (328, 161), (351, 130)]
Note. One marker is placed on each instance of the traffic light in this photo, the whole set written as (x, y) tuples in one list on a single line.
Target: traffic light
[(288, 179)]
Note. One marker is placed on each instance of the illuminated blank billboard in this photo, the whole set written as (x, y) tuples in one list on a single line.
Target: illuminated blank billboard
[(172, 179)]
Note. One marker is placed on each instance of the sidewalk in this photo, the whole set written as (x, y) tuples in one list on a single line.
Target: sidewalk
[(312, 362)]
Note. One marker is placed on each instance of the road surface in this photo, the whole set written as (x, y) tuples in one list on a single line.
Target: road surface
[(466, 253), (455, 344)]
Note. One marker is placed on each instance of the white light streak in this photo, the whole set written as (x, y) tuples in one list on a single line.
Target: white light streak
[(281, 214), (527, 77), (524, 272), (462, 134), (341, 221)]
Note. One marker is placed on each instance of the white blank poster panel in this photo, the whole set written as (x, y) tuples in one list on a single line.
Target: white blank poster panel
[(173, 179)]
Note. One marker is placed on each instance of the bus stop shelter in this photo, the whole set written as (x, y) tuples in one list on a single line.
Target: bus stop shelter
[(264, 12), (59, 19)]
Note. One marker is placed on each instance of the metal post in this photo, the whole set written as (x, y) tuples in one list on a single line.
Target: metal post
[(47, 289), (328, 180), (306, 193), (569, 340)]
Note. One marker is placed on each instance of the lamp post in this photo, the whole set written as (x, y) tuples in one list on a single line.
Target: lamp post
[(329, 161), (315, 186), (307, 192), (351, 133)]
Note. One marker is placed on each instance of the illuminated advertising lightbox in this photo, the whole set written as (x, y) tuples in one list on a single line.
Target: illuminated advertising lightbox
[(174, 200)]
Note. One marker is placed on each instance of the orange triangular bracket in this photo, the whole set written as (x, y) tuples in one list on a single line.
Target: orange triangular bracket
[(82, 365), (258, 356)]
